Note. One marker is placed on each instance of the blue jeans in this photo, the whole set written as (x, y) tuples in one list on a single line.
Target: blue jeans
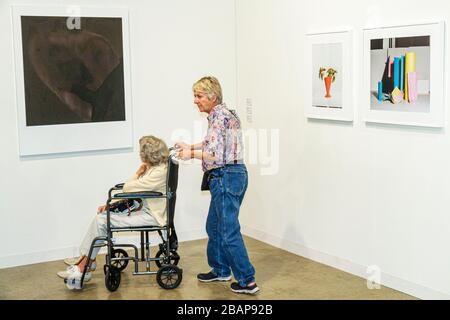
[(226, 249)]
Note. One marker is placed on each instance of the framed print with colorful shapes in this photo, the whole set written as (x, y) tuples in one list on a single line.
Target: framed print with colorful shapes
[(404, 74)]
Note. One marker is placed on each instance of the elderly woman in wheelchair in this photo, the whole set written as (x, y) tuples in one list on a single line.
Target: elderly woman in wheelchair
[(144, 203)]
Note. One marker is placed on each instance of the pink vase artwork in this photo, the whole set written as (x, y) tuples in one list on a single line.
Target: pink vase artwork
[(328, 78), (328, 81), (412, 87)]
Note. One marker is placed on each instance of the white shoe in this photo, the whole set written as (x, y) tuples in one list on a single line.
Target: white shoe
[(77, 260), (73, 272)]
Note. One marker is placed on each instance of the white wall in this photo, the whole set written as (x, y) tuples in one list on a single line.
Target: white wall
[(47, 202), (349, 195)]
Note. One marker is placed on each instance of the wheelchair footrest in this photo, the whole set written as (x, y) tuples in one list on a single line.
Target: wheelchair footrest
[(144, 273)]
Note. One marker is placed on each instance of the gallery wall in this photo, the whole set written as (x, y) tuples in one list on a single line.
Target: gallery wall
[(370, 199), (48, 201)]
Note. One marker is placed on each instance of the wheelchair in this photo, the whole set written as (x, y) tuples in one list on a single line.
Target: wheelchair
[(168, 275)]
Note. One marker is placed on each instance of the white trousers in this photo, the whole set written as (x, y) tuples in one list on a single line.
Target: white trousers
[(98, 227)]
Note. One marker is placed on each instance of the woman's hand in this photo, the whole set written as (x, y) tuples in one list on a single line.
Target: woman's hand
[(184, 151), (182, 145), (101, 209), (142, 168), (185, 154)]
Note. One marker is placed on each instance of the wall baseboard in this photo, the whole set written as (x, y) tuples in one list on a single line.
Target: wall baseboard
[(386, 280), (62, 253)]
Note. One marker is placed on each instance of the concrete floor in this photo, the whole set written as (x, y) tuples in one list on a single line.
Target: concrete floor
[(279, 274)]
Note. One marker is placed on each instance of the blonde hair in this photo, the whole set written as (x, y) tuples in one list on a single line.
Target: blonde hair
[(210, 86), (153, 150)]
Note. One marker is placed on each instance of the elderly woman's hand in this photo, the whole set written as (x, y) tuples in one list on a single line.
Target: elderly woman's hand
[(142, 168)]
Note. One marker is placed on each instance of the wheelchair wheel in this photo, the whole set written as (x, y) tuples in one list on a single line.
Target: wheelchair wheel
[(169, 276), (174, 258), (121, 264), (112, 278)]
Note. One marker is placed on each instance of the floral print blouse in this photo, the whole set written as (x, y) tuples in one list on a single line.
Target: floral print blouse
[(223, 138)]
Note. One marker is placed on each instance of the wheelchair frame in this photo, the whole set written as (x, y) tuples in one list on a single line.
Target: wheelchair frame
[(168, 276)]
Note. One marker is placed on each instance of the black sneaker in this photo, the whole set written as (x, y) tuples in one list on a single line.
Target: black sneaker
[(211, 276), (250, 289)]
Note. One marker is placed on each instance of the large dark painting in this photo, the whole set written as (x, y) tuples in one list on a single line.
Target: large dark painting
[(72, 75)]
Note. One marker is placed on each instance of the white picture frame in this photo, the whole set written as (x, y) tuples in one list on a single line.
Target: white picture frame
[(428, 107), (329, 50), (88, 134)]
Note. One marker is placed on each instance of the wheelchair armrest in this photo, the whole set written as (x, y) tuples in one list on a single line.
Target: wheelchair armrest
[(138, 194), (115, 188)]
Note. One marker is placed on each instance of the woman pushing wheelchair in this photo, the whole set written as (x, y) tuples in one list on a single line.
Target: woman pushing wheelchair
[(225, 175)]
